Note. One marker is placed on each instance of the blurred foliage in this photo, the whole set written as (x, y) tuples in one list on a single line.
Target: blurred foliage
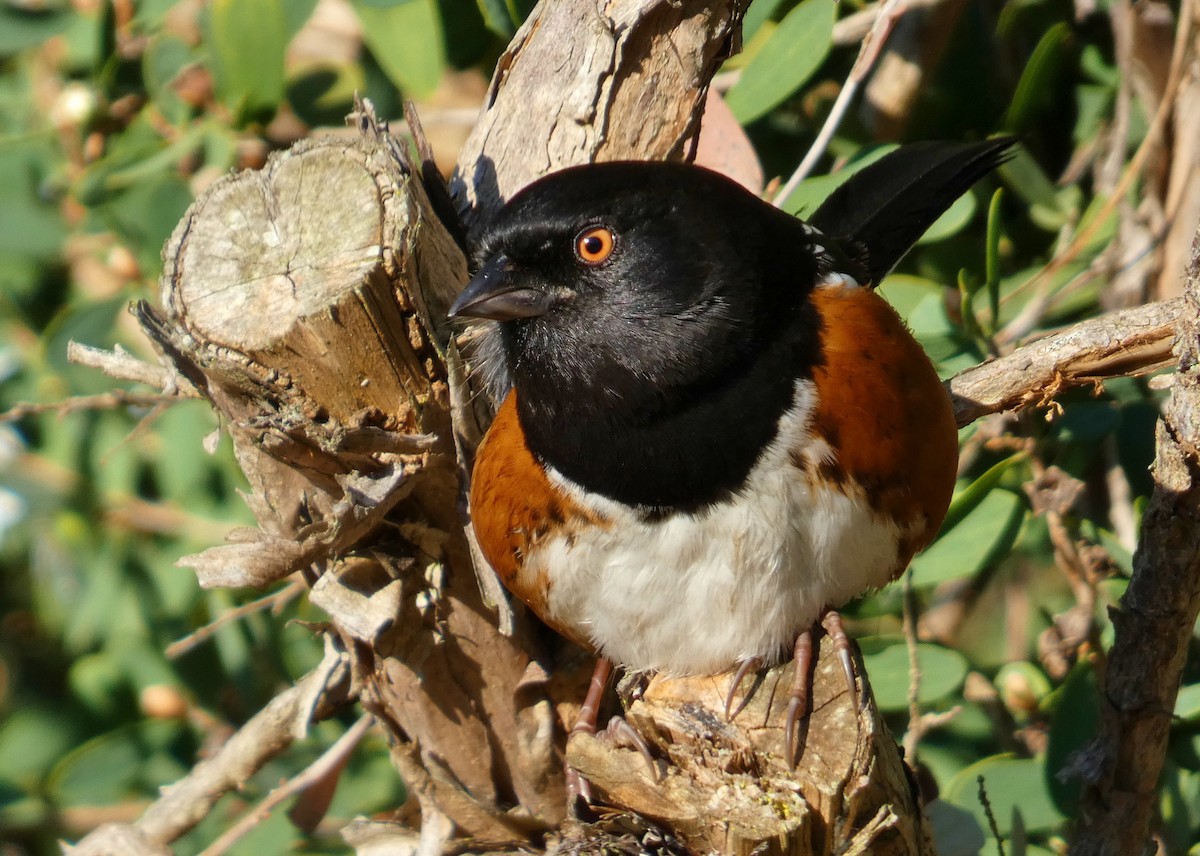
[(113, 116)]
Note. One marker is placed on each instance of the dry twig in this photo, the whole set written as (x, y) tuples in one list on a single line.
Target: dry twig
[(273, 601), (265, 736), (889, 12), (331, 759)]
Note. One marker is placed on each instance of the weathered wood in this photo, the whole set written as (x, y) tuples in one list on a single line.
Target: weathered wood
[(1153, 622), (726, 786), (302, 300), (1121, 344), (629, 80)]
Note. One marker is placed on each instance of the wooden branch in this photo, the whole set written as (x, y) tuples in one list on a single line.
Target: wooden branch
[(1120, 344), (1154, 622), (312, 320), (332, 761), (629, 76), (265, 736), (120, 364)]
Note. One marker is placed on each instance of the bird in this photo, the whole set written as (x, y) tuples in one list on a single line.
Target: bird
[(714, 432)]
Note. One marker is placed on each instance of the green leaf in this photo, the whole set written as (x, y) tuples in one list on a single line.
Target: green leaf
[(20, 29), (497, 17), (146, 213), (100, 772), (957, 216), (31, 738), (1035, 87), (813, 191), (30, 225), (248, 39), (1073, 724), (938, 335), (295, 15), (1187, 703), (406, 41), (97, 682), (955, 831), (968, 499), (166, 55), (905, 292), (109, 768), (992, 280), (1009, 783), (1027, 179), (981, 537), (790, 57), (759, 13), (942, 672)]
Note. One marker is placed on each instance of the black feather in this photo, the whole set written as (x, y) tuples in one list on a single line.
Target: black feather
[(887, 206)]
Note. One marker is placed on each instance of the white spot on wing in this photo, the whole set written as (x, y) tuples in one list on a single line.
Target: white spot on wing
[(839, 280)]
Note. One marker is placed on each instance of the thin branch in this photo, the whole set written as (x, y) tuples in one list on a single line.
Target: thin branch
[(913, 736), (1153, 623), (273, 601), (263, 737), (919, 724), (991, 816), (332, 758), (103, 401), (1120, 344), (120, 364), (890, 11)]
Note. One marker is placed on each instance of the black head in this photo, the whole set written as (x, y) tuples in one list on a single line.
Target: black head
[(639, 307), (631, 282)]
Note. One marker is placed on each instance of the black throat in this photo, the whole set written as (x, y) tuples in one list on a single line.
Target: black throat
[(670, 455)]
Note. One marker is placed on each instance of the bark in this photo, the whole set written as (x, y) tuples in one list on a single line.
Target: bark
[(310, 319), (1153, 622)]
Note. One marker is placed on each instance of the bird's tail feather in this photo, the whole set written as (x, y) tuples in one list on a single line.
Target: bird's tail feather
[(886, 207)]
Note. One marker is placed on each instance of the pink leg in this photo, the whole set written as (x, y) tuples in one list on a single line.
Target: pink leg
[(802, 657), (577, 786), (798, 705), (832, 622)]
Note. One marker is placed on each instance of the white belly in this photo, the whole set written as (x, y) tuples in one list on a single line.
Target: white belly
[(697, 593)]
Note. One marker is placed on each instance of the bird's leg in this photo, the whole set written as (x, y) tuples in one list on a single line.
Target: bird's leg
[(585, 723), (618, 732), (802, 679), (745, 667), (832, 622), (802, 658)]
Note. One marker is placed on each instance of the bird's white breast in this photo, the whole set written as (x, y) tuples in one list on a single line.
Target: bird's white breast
[(697, 593)]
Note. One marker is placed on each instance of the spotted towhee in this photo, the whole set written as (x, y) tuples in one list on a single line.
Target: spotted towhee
[(716, 433)]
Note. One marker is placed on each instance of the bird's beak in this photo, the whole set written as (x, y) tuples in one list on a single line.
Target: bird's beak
[(496, 294)]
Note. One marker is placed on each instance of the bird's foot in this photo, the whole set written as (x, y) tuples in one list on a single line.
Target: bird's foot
[(617, 733), (802, 679), (578, 788)]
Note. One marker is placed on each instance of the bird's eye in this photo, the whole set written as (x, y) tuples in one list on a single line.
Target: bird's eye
[(594, 245)]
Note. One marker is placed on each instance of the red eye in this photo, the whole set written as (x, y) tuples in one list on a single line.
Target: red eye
[(594, 245)]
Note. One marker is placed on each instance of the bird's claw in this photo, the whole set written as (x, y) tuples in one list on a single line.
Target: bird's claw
[(745, 667), (802, 679)]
